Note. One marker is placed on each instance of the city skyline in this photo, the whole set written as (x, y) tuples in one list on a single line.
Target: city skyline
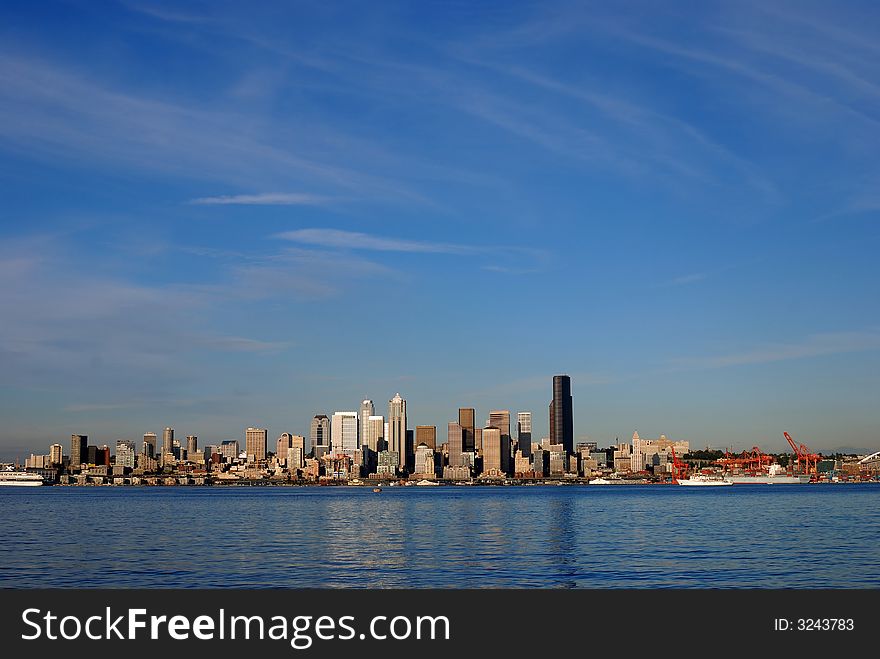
[(216, 216)]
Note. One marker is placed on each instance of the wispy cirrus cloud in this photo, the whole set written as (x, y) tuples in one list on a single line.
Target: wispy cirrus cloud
[(264, 199), (814, 345), (339, 239)]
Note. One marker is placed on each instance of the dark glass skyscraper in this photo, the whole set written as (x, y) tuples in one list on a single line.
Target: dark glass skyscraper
[(466, 421), (561, 417)]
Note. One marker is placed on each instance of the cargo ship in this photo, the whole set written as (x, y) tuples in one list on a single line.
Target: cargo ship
[(775, 474)]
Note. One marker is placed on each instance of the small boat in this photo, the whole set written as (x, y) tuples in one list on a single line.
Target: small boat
[(377, 489)]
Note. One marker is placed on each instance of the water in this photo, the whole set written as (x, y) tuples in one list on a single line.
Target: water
[(745, 536)]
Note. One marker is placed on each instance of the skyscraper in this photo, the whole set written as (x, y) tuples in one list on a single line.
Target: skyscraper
[(466, 421), (561, 417), (255, 443), (167, 441), (454, 442), (150, 445), (493, 452), (192, 447), (524, 432), (375, 440), (397, 429), (501, 419), (282, 444), (56, 454), (125, 453), (367, 410), (427, 435), (78, 448), (319, 433), (344, 431)]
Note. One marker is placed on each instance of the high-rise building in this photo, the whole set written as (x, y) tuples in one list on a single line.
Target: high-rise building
[(397, 429), (150, 445), (319, 433), (56, 454), (501, 419), (367, 410), (125, 451), (454, 443), (255, 443), (524, 433), (282, 444), (192, 446), (229, 449), (427, 435), (466, 421), (167, 441), (296, 452), (561, 417), (493, 452), (78, 448), (344, 433), (375, 440)]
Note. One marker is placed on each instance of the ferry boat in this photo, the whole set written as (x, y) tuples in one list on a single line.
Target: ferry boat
[(703, 480), (10, 476)]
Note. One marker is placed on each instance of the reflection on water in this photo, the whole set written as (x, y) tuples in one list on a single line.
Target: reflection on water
[(556, 537)]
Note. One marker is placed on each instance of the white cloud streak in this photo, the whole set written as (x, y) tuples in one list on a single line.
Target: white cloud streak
[(264, 199), (353, 240)]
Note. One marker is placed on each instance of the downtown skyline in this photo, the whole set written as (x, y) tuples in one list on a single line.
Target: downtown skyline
[(217, 218)]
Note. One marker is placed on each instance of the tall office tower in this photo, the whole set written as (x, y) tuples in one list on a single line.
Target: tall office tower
[(367, 410), (501, 419), (478, 440), (524, 432), (397, 429), (319, 433), (167, 441), (454, 443), (78, 444), (150, 445), (56, 454), (375, 440), (344, 431), (255, 440), (282, 444), (125, 453), (493, 452), (192, 446), (561, 417), (427, 435), (466, 421), (296, 452)]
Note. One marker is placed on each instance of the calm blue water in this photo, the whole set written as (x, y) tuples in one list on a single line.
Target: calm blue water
[(807, 536)]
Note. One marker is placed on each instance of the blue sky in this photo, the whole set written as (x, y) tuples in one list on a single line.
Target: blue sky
[(217, 215)]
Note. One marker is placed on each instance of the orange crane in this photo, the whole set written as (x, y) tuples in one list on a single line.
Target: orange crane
[(679, 468), (807, 461)]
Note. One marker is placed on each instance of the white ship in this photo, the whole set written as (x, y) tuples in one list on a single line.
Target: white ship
[(703, 480), (10, 476), (775, 474)]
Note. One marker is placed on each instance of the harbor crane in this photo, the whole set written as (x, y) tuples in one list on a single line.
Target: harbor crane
[(807, 461)]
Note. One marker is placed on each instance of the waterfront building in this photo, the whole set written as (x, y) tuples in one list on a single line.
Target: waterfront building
[(466, 416), (151, 444), (56, 454), (524, 433), (192, 447), (344, 433), (397, 429), (367, 410), (256, 440), (319, 433), (456, 473), (455, 443), (561, 416), (125, 453), (375, 439), (426, 435), (78, 448), (644, 450), (387, 463)]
